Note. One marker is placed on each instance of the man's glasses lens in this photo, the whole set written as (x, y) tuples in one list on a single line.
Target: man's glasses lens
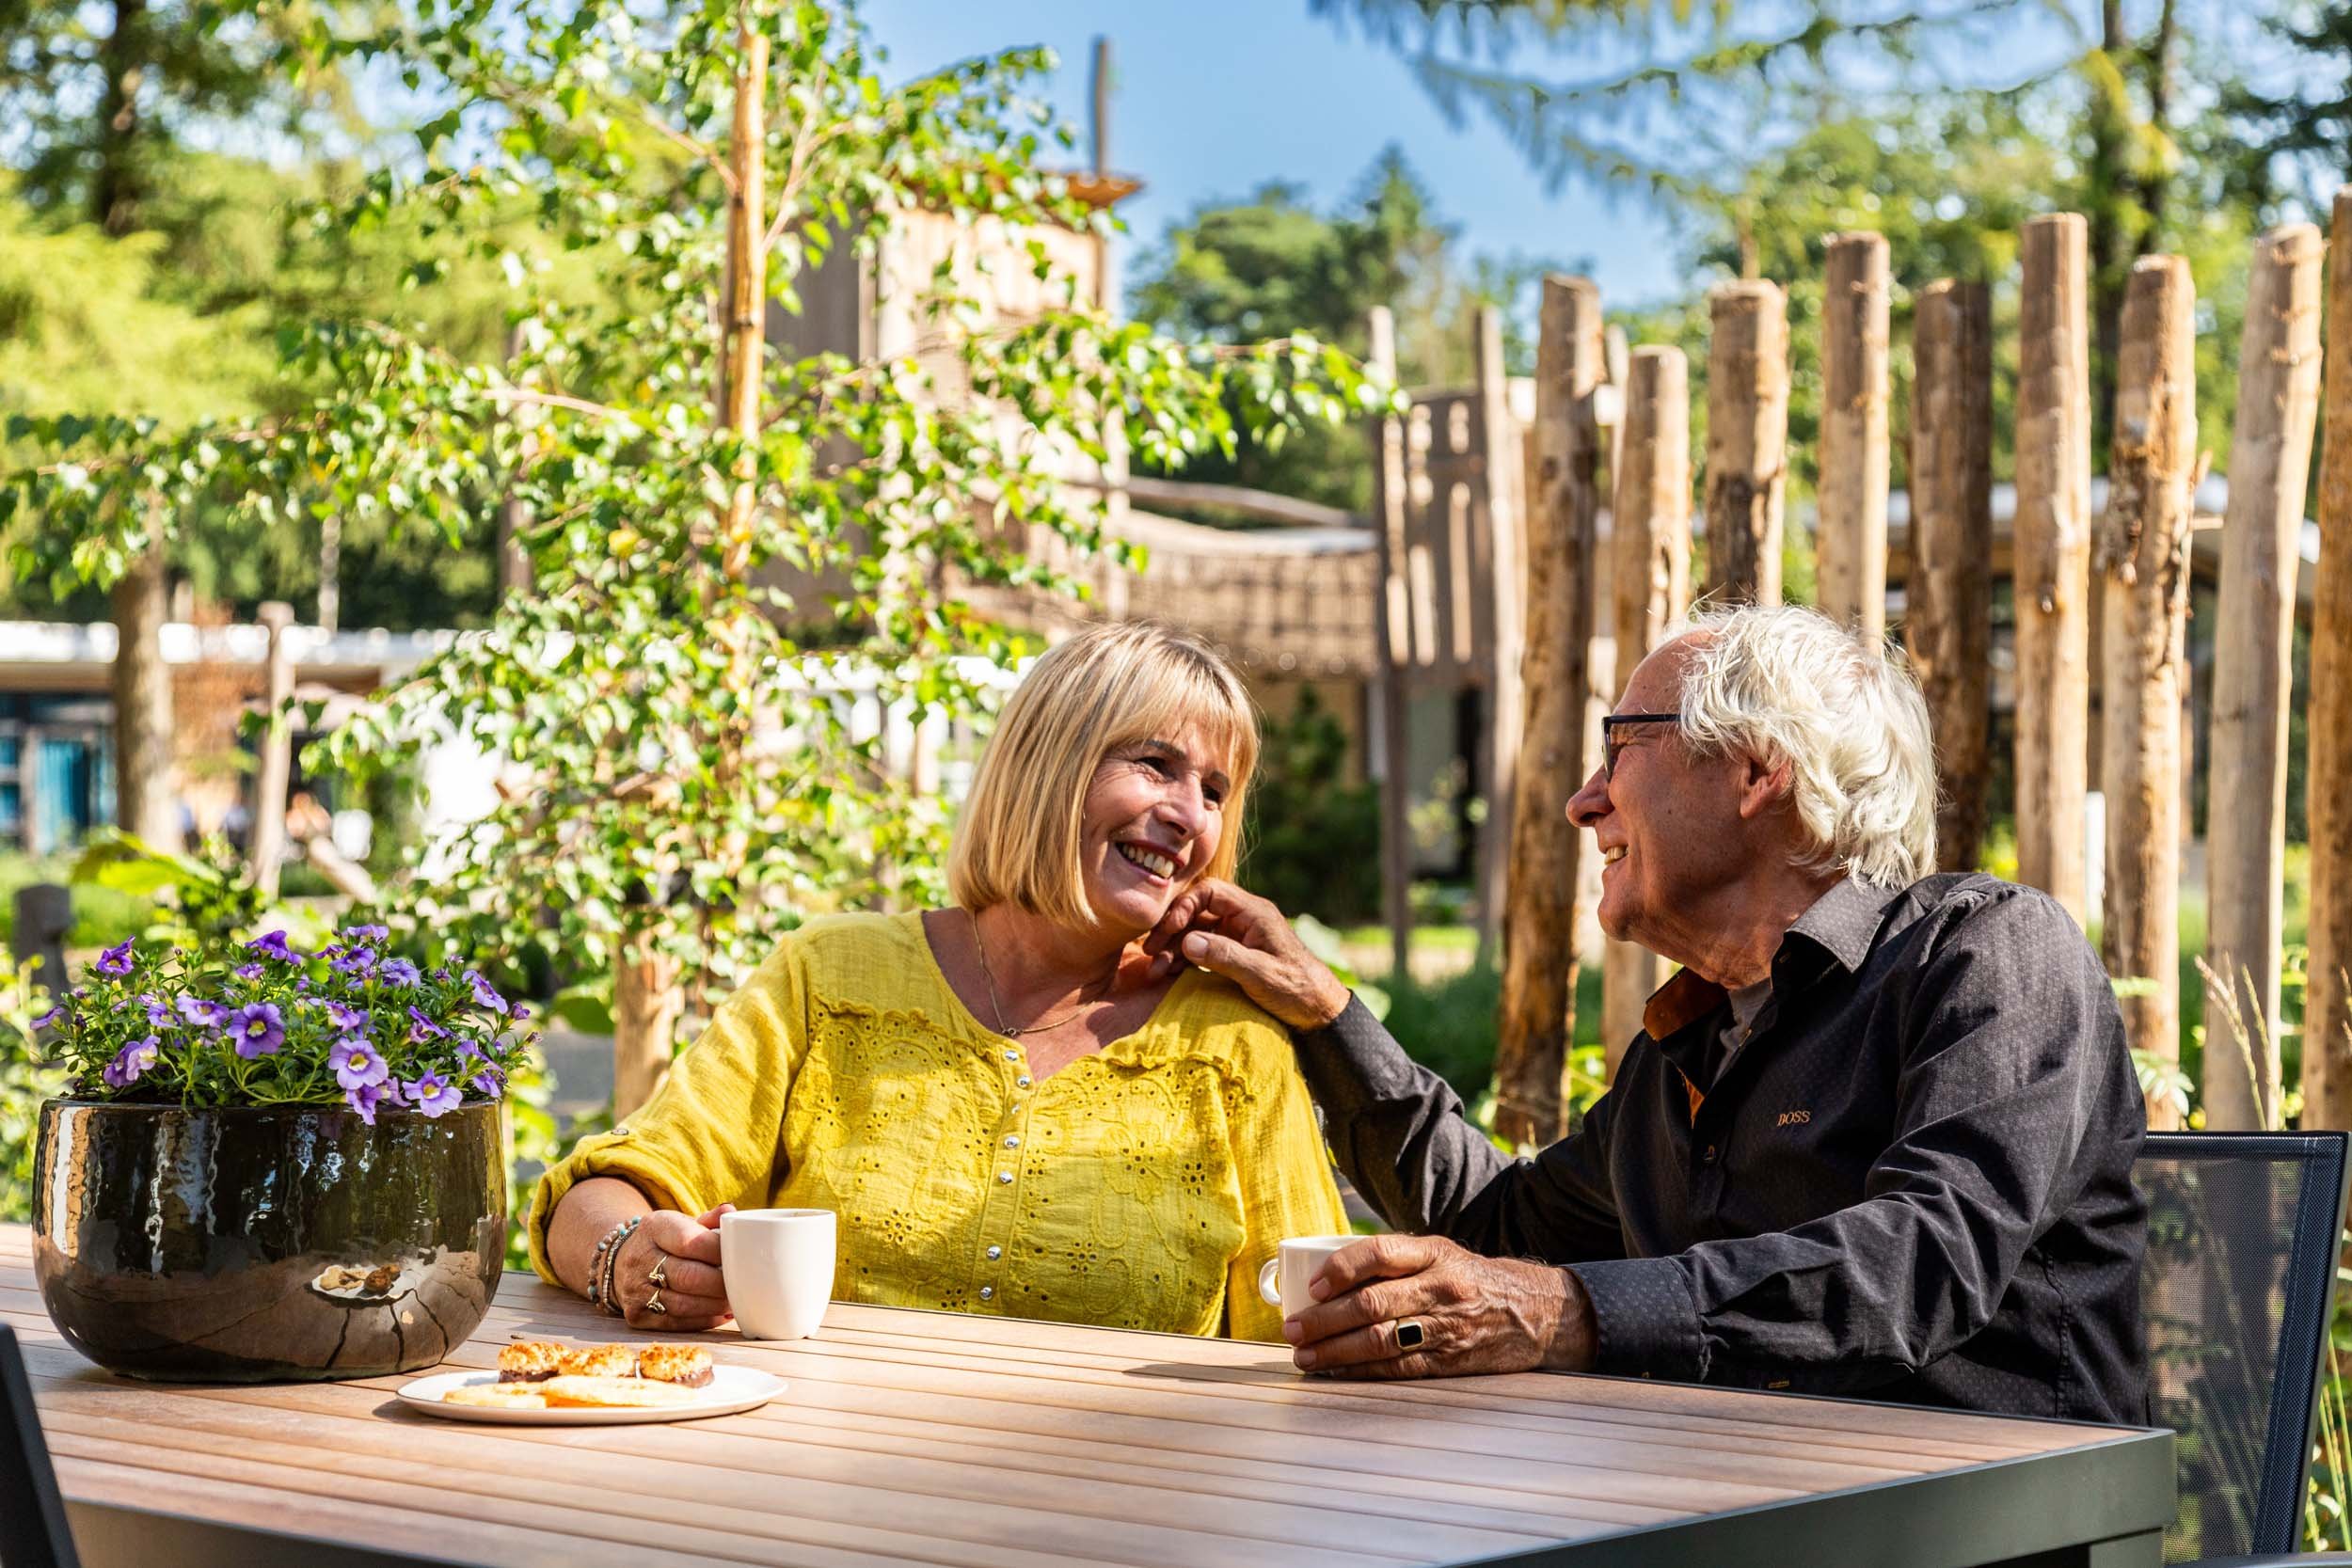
[(1611, 728)]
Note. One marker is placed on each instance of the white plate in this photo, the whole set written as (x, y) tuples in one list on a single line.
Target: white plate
[(729, 1391)]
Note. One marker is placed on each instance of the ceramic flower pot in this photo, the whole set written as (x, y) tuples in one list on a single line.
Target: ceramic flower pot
[(261, 1243)]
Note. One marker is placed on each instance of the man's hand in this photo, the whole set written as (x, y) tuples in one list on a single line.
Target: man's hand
[(1476, 1314), (1239, 935)]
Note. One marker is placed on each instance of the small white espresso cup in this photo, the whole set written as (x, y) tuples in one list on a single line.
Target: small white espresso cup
[(778, 1265), (1297, 1260)]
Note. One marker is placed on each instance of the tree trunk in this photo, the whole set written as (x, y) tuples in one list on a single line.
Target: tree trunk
[(2142, 556), (1501, 478), (1540, 959), (266, 850), (2110, 194), (2157, 178), (2052, 562), (2327, 1005), (1650, 515), (1747, 441), (118, 182), (145, 803), (1948, 617), (1850, 540), (648, 1002), (2278, 402), (1392, 633)]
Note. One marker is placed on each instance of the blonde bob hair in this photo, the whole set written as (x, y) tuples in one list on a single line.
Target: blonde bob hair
[(1112, 684)]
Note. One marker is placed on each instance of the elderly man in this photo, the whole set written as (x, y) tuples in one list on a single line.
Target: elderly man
[(1875, 1138)]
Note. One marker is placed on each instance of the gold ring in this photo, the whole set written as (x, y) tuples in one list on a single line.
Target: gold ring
[(1410, 1335), (657, 1279), (654, 1303)]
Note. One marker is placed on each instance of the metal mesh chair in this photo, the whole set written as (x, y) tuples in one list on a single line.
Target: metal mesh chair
[(33, 1532), (2238, 1284)]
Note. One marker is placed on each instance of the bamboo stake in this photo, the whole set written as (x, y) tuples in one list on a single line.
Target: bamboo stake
[(1499, 479), (1947, 614), (2327, 1009), (267, 847), (1651, 576), (2053, 561), (1851, 536), (1540, 959), (1747, 440), (2254, 623), (2142, 557), (1393, 634)]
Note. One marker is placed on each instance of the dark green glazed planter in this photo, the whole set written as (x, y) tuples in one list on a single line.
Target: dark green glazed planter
[(266, 1244)]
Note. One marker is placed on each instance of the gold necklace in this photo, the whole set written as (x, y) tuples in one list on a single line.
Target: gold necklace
[(989, 978)]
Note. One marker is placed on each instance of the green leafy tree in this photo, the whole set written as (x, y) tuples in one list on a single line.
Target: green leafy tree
[(682, 779)]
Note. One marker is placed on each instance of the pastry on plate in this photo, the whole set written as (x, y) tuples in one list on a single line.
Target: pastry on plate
[(688, 1366), (570, 1392), (498, 1396), (597, 1361), (529, 1361)]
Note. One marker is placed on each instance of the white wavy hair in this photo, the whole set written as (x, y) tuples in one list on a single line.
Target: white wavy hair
[(1785, 684)]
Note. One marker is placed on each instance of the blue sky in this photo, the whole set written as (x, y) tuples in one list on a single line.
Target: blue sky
[(1215, 97)]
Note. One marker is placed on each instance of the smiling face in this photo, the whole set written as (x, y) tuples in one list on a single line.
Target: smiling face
[(1669, 824), (1153, 817)]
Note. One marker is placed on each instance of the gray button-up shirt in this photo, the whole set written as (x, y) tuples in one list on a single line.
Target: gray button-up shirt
[(1912, 1182)]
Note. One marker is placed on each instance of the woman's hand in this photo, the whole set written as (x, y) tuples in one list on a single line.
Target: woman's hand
[(684, 1250)]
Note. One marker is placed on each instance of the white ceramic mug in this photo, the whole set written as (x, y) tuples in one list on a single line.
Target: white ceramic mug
[(1297, 1260), (778, 1264)]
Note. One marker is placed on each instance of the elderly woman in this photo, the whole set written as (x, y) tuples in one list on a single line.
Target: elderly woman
[(1876, 1137), (1009, 1112)]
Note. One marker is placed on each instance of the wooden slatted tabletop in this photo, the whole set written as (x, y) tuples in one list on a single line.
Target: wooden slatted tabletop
[(932, 1437)]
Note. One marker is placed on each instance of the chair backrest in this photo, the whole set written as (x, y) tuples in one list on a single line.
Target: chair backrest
[(33, 1530), (2240, 1279)]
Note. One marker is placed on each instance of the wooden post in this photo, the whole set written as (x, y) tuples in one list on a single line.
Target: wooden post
[(1502, 459), (2052, 579), (2327, 1006), (144, 802), (2142, 557), (1651, 578), (1392, 640), (1947, 614), (2277, 400), (267, 848), (648, 1003), (1563, 517), (1099, 137), (1747, 440), (1851, 541), (1616, 355)]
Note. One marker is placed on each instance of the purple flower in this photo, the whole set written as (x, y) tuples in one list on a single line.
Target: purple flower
[(116, 960), (45, 1020), (363, 1098), (157, 1014), (431, 1094), (130, 1062), (424, 1028), (398, 972), (490, 1083), (351, 1020), (258, 1028), (366, 933), (247, 972), (356, 1063), (355, 961), (484, 992), (521, 1012), (197, 1010), (273, 945)]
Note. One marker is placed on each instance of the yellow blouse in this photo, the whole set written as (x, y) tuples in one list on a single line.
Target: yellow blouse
[(1139, 1187)]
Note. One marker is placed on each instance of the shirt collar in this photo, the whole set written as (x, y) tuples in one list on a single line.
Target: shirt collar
[(1843, 922)]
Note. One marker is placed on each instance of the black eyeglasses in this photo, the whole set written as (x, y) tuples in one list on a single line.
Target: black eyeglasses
[(1610, 723)]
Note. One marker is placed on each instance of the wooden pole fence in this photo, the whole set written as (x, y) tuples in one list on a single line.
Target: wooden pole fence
[(1540, 959), (1502, 459), (2278, 403), (1650, 576), (2327, 1007), (1392, 633), (2052, 553), (1747, 440), (2142, 557), (1851, 536)]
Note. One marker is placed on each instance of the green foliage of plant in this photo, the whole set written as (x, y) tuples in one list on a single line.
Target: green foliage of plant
[(102, 915), (1314, 838), (25, 1081)]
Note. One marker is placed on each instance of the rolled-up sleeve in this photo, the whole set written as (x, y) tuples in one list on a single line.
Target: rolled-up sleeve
[(2000, 1077)]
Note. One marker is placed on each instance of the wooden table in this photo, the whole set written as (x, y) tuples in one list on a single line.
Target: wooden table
[(931, 1438)]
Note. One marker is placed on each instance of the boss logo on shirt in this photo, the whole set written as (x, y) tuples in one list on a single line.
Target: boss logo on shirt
[(1795, 1118)]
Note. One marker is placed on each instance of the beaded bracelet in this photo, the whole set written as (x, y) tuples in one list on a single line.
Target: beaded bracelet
[(600, 1283)]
